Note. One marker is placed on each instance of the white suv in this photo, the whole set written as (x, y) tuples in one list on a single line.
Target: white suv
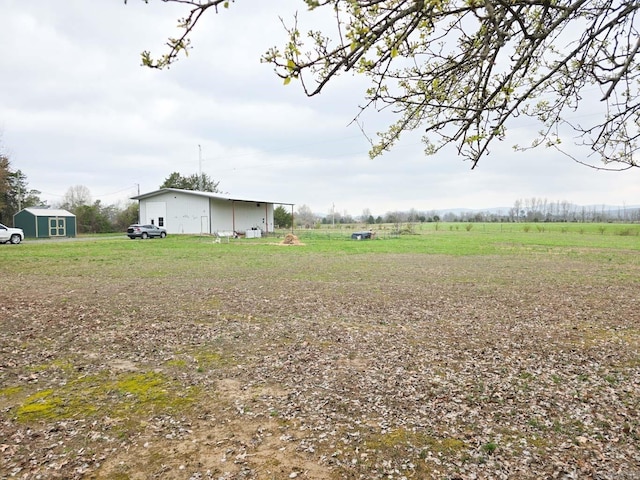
[(13, 235)]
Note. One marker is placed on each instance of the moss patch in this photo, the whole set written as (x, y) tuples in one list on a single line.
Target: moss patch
[(404, 438), (406, 451), (11, 391), (127, 395)]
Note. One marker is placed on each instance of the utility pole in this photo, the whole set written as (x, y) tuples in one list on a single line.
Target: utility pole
[(138, 185), (19, 195)]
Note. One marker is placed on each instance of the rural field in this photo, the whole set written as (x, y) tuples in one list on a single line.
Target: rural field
[(484, 352)]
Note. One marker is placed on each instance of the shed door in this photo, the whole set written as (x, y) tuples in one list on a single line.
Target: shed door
[(57, 227)]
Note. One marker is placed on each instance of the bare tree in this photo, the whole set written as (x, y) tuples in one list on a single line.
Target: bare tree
[(396, 218), (366, 214), (566, 210), (517, 206), (75, 197), (304, 216)]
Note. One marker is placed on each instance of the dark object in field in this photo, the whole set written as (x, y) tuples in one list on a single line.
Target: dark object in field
[(362, 235)]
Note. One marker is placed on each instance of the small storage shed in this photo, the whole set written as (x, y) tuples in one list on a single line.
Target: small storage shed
[(45, 222)]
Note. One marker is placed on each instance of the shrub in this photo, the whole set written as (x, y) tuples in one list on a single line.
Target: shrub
[(490, 447)]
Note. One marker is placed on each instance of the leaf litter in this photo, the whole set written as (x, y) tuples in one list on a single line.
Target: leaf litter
[(381, 366)]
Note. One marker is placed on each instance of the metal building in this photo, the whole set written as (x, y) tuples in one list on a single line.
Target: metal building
[(194, 212), (46, 222)]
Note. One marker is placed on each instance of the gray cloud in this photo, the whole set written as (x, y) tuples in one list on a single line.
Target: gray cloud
[(76, 108)]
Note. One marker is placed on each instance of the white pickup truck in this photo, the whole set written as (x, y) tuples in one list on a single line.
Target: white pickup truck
[(13, 235)]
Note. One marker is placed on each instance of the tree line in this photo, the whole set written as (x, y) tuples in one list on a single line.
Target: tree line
[(15, 193), (92, 216), (523, 210)]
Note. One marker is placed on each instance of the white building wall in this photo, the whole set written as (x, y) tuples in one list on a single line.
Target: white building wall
[(184, 213), (250, 215), (221, 216), (155, 213)]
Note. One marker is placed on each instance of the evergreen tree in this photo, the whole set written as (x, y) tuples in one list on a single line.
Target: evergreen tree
[(199, 182)]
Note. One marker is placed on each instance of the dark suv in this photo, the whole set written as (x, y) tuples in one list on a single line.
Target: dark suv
[(145, 231)]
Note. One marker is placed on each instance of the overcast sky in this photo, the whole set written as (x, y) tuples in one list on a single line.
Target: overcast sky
[(76, 108)]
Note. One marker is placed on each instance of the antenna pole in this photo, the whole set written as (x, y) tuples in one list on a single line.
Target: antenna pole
[(199, 167)]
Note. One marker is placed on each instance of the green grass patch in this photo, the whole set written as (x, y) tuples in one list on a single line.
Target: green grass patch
[(401, 438), (409, 452), (180, 258), (483, 238)]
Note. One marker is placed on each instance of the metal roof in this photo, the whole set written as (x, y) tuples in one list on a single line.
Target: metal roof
[(49, 212), (204, 194)]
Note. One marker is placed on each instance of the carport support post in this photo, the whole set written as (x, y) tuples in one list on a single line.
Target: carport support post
[(292, 219), (233, 215)]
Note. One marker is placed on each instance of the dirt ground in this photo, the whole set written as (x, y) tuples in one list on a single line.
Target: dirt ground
[(380, 367)]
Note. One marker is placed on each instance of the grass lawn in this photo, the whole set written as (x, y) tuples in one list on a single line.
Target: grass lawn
[(490, 351)]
